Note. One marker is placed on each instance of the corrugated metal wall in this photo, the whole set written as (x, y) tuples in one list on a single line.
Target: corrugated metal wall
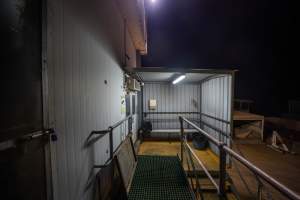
[(171, 98), (216, 102), (136, 115), (85, 47)]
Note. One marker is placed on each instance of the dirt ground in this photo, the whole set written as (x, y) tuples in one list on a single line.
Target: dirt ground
[(285, 168)]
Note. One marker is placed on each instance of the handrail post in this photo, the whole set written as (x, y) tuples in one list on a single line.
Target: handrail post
[(222, 175), (111, 144), (259, 190), (130, 124), (181, 138)]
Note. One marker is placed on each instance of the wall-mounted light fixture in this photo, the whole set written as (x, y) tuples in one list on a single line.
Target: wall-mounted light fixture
[(178, 79)]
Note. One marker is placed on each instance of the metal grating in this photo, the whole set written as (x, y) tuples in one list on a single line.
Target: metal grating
[(159, 177)]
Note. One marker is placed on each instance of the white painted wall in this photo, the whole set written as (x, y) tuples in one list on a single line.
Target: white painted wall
[(135, 117), (216, 101), (171, 98), (85, 47)]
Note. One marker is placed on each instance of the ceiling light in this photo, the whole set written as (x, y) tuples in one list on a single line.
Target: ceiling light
[(178, 79), (153, 1)]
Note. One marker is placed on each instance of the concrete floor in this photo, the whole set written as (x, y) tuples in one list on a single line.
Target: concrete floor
[(283, 167)]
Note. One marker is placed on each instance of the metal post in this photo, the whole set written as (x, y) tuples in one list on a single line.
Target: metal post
[(222, 176), (181, 138), (111, 144), (130, 120), (198, 188), (259, 190), (133, 149)]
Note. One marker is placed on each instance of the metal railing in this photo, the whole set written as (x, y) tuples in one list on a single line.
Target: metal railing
[(112, 151), (169, 120), (166, 119), (223, 152), (110, 130)]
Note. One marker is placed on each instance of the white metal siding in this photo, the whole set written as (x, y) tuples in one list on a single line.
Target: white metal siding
[(85, 48), (171, 98), (216, 102), (135, 124)]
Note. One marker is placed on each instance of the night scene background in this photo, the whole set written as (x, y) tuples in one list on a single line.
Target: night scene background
[(251, 36)]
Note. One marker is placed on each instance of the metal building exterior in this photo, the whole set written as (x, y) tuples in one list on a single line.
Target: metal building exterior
[(76, 102), (88, 44), (204, 96)]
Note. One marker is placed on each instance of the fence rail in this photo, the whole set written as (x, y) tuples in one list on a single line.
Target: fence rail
[(223, 152), (110, 132)]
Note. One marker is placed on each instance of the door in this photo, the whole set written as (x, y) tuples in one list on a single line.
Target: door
[(24, 138)]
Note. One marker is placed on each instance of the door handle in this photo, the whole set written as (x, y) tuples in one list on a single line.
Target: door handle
[(46, 132), (52, 134)]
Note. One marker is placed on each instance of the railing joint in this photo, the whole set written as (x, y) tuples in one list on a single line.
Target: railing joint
[(102, 132), (99, 166)]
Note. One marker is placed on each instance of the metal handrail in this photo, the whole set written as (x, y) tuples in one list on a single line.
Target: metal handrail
[(110, 132), (170, 113), (115, 125), (266, 177), (223, 133), (222, 173), (211, 138), (215, 118), (224, 150), (129, 117), (203, 166), (176, 113)]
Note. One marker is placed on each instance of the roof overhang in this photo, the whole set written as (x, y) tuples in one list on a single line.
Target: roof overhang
[(157, 74), (133, 12)]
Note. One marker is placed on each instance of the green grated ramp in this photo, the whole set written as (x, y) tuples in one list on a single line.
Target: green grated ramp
[(159, 177)]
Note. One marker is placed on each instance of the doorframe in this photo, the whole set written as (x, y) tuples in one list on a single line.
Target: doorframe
[(45, 93)]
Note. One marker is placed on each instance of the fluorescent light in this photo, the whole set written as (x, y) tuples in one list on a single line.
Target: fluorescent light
[(178, 79)]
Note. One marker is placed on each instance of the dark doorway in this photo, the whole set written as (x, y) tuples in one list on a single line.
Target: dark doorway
[(22, 158)]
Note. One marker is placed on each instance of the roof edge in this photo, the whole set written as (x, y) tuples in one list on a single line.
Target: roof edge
[(180, 70)]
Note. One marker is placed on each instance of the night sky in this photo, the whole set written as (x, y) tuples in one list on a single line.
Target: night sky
[(252, 36)]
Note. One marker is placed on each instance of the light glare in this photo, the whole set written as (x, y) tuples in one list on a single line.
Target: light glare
[(178, 79), (153, 1)]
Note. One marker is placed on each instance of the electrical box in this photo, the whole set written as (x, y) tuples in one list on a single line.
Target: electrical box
[(152, 104), (133, 85)]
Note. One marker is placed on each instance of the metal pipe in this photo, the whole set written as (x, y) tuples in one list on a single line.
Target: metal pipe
[(100, 166), (133, 149), (216, 129), (212, 117), (191, 178), (175, 113), (203, 167), (181, 138), (102, 132), (223, 151), (142, 105), (280, 187), (120, 122), (198, 188), (212, 139), (222, 172), (259, 190)]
